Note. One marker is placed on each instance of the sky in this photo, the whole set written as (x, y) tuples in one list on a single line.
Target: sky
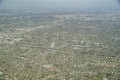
[(56, 5)]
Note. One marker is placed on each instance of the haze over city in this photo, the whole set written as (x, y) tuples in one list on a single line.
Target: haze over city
[(59, 5), (59, 39)]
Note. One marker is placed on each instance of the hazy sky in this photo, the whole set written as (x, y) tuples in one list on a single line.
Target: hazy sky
[(59, 5)]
